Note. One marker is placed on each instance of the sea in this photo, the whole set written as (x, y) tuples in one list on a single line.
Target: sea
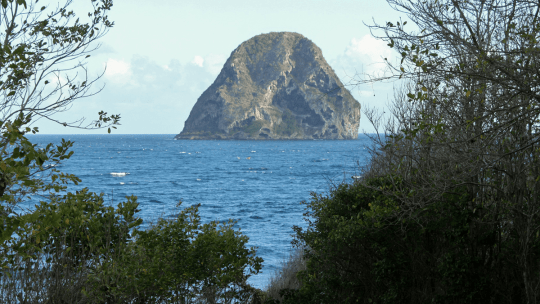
[(260, 184)]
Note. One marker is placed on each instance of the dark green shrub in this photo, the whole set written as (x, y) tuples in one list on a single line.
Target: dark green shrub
[(75, 249), (60, 243), (181, 261), (358, 251)]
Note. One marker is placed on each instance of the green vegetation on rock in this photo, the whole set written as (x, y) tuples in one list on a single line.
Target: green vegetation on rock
[(254, 128), (288, 125)]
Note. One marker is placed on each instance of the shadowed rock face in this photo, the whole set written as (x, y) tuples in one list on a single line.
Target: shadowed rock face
[(275, 86)]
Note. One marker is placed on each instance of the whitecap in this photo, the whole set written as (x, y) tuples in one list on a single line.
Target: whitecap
[(119, 173), (253, 151), (122, 183), (182, 152)]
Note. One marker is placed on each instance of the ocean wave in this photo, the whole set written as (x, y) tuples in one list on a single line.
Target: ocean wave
[(119, 173)]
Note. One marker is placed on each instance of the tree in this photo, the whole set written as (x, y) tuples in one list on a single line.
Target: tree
[(468, 117), (43, 49), (73, 248)]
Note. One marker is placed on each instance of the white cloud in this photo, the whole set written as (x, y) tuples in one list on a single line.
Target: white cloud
[(115, 67), (368, 49), (214, 63), (363, 57), (117, 70), (198, 60)]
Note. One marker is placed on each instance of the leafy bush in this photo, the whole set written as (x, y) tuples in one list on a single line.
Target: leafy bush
[(60, 243), (75, 249), (181, 260), (357, 251)]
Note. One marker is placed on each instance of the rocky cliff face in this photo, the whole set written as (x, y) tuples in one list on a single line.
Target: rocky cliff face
[(275, 86)]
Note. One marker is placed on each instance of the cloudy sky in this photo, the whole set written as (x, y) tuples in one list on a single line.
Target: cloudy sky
[(161, 55)]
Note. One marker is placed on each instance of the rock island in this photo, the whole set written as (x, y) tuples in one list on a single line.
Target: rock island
[(275, 86)]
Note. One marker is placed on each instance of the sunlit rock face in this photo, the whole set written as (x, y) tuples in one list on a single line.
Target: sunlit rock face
[(275, 86)]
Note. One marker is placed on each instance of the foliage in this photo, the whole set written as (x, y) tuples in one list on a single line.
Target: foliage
[(359, 251), (78, 244), (286, 277), (61, 242), (447, 210), (73, 248), (288, 125), (42, 71), (254, 128), (43, 58), (180, 260), (467, 118)]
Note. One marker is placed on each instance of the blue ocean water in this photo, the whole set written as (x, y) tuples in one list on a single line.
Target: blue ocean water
[(258, 183)]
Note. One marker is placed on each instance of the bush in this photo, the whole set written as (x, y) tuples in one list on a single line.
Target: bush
[(77, 250), (286, 278), (184, 261), (61, 242), (357, 251)]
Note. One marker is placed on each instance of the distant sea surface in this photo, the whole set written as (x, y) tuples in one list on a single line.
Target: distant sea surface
[(258, 183)]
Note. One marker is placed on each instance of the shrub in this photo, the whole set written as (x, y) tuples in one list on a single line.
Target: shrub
[(357, 251), (286, 278), (75, 249), (61, 242), (180, 260)]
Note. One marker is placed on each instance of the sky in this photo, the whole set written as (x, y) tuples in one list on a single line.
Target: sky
[(160, 56)]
